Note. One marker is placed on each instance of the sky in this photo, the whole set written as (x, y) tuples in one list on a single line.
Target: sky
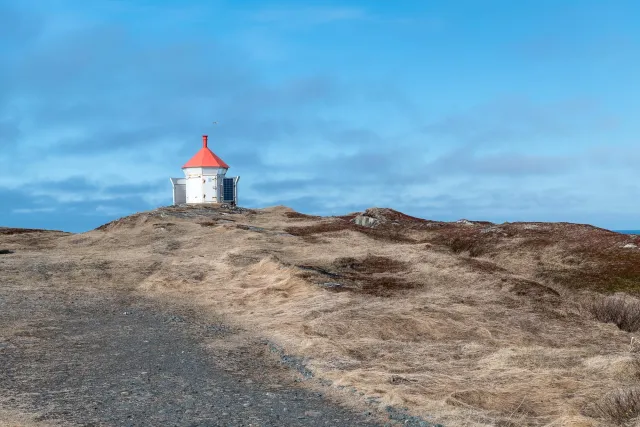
[(487, 110)]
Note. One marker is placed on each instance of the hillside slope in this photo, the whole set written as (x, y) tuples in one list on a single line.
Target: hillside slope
[(466, 323)]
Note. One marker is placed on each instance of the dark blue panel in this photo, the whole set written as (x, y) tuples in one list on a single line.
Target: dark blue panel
[(227, 190)]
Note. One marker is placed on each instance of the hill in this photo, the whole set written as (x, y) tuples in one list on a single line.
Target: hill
[(463, 323)]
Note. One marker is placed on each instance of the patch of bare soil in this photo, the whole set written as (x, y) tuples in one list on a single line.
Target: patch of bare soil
[(463, 323)]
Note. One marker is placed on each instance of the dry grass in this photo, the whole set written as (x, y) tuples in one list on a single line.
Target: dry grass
[(621, 310), (620, 407), (321, 227), (370, 275), (473, 246), (486, 331), (370, 264), (9, 231), (389, 234), (298, 215)]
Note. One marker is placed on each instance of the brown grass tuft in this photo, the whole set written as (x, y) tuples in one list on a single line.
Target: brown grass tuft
[(10, 231), (298, 215), (322, 227), (534, 290), (371, 264), (386, 286), (473, 245), (619, 309), (618, 406), (536, 243), (370, 275), (484, 266), (388, 234), (492, 401)]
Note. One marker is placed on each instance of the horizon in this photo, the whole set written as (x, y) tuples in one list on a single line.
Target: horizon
[(625, 231), (499, 111)]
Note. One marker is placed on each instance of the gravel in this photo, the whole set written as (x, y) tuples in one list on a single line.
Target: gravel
[(121, 361)]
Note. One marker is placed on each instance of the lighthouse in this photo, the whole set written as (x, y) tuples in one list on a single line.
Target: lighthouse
[(205, 180)]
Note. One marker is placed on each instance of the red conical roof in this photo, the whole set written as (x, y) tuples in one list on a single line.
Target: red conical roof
[(205, 158)]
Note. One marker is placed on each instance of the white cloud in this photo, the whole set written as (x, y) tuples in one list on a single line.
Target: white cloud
[(32, 210)]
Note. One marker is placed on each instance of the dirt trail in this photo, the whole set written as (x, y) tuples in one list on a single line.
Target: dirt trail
[(117, 360)]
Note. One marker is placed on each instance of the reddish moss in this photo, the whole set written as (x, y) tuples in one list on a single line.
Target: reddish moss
[(298, 215)]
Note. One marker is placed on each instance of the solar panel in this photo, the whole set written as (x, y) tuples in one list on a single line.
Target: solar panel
[(227, 190)]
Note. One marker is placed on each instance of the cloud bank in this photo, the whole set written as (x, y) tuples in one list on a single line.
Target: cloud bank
[(96, 112)]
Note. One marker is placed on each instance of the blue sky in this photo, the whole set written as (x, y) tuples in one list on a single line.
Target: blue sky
[(492, 110)]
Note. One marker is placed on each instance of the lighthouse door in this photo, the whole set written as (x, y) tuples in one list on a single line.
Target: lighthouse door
[(194, 190), (209, 189)]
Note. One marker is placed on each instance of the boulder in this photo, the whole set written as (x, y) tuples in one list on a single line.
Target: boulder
[(366, 221)]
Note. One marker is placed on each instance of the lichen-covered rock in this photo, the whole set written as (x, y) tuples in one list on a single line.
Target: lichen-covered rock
[(366, 221)]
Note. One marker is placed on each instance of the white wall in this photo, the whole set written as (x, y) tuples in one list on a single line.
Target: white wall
[(179, 190), (179, 194), (213, 171), (203, 184), (194, 190), (210, 188), (192, 172)]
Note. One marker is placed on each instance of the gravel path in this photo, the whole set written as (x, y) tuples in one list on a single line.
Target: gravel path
[(120, 361)]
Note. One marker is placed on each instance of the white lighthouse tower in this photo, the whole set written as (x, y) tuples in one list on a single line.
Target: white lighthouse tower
[(205, 180)]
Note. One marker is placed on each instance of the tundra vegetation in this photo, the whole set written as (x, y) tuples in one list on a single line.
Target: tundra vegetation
[(465, 323)]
